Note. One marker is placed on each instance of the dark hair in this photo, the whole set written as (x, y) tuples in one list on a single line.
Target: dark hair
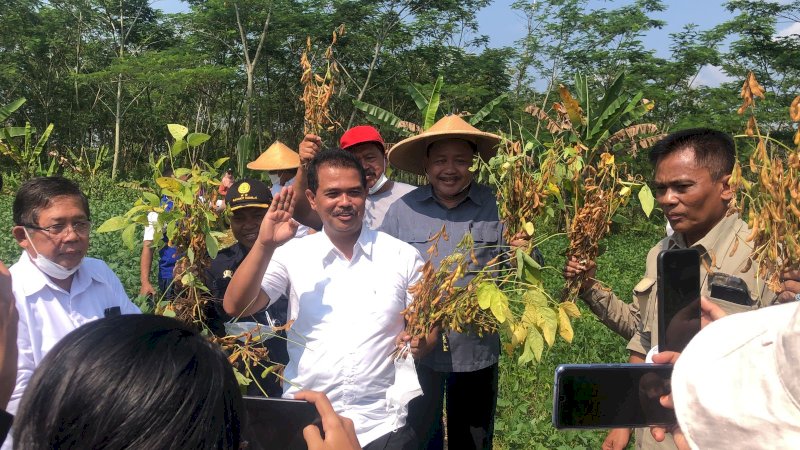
[(712, 149), (333, 158), (37, 194), (471, 144), (131, 381)]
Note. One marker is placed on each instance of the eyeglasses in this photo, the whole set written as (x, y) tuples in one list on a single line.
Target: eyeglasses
[(81, 228)]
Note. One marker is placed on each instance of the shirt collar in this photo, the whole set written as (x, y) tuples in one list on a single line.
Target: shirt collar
[(36, 280), (364, 245), (425, 193), (712, 239)]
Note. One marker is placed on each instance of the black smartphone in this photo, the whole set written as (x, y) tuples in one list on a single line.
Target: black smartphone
[(729, 288), (611, 395), (278, 422), (678, 298)]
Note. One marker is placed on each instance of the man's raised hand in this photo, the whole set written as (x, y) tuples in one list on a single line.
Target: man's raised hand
[(278, 226), (309, 147)]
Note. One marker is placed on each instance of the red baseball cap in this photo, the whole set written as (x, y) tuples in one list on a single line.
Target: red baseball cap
[(360, 135)]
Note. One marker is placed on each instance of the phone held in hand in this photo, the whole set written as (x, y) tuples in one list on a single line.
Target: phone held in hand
[(611, 395), (678, 298), (273, 423)]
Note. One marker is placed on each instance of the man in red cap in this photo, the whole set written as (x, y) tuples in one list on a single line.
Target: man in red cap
[(366, 143)]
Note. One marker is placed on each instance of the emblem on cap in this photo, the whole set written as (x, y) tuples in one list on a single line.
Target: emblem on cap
[(244, 188)]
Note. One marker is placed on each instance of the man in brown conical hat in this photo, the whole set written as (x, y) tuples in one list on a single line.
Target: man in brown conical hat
[(463, 366)]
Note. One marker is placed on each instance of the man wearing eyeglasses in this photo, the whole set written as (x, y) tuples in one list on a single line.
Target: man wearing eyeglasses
[(56, 287)]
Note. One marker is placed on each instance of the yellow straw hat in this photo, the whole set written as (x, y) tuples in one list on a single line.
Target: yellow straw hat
[(409, 154), (277, 157)]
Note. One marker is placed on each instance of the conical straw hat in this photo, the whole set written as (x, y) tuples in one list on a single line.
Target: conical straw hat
[(277, 157), (409, 154)]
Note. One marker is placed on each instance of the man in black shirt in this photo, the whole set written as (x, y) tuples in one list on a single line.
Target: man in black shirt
[(248, 201)]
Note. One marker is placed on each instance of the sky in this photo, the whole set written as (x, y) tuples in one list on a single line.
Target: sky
[(505, 26)]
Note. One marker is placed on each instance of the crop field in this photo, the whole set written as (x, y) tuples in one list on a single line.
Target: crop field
[(525, 398)]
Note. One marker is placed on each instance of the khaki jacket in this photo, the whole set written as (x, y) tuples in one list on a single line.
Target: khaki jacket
[(723, 250)]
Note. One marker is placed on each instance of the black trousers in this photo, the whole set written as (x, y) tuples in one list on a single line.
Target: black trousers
[(471, 402), (402, 439)]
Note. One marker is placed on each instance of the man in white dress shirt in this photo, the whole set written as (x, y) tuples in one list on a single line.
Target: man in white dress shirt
[(348, 288), (56, 287)]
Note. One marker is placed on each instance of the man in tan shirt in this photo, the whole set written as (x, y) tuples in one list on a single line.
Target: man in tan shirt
[(692, 170)]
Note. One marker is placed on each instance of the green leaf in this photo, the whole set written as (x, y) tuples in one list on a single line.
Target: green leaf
[(115, 223), (484, 294), (381, 116), (218, 163), (169, 183), (195, 139), (42, 141), (7, 110), (547, 321), (528, 270), (212, 245), (152, 199), (177, 148), (190, 255), (187, 279), (177, 131), (129, 235), (241, 379), (487, 109), (168, 313), (433, 103), (419, 98), (17, 131), (534, 346), (646, 199), (535, 297), (564, 325), (491, 297)]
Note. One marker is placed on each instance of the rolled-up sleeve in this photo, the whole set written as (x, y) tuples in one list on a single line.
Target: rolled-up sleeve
[(276, 278), (622, 318)]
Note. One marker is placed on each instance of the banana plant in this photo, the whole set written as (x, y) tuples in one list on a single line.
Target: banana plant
[(428, 106), (26, 155)]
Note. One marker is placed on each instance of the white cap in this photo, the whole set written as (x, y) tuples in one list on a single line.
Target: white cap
[(737, 383)]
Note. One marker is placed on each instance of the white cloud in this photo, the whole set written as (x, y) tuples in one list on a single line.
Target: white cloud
[(791, 29), (711, 76)]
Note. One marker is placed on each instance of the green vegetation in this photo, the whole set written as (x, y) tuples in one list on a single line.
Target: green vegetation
[(525, 399)]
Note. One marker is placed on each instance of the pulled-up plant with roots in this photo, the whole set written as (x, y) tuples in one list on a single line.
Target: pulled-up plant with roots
[(772, 199), (190, 225), (318, 89)]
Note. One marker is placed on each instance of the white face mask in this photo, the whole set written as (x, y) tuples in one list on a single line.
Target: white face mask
[(381, 181), (50, 268), (275, 179)]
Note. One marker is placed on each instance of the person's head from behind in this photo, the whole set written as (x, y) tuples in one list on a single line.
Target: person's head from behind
[(51, 220), (131, 381), (248, 200), (337, 190), (692, 171)]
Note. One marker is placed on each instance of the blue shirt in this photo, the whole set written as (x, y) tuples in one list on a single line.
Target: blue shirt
[(417, 216)]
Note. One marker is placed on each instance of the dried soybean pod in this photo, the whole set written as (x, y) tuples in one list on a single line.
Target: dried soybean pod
[(753, 229)]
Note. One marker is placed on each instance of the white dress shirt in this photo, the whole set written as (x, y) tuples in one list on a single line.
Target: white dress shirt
[(47, 312), (347, 315)]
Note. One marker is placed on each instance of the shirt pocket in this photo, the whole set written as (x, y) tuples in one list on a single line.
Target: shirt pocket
[(487, 240), (642, 293)]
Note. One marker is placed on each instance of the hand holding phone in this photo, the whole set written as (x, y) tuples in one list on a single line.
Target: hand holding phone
[(278, 422), (678, 298)]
